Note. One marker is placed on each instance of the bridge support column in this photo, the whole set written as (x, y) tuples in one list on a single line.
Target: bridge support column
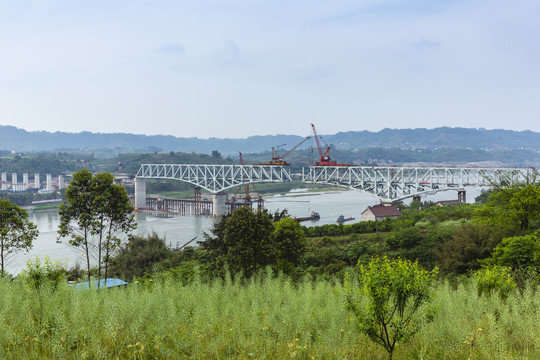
[(140, 193), (219, 204), (461, 196)]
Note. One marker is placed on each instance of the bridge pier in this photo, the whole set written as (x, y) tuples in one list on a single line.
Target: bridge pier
[(219, 204), (140, 193), (461, 195)]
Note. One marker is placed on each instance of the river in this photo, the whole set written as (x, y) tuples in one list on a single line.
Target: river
[(181, 229)]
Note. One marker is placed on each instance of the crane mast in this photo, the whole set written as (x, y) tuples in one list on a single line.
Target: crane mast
[(324, 157)]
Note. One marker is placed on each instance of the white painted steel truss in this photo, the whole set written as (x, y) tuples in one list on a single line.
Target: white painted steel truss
[(392, 183), (215, 178)]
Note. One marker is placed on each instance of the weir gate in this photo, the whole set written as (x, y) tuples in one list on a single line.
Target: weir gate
[(390, 183)]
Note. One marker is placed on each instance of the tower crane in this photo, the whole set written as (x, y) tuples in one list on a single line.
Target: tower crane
[(278, 160), (325, 159)]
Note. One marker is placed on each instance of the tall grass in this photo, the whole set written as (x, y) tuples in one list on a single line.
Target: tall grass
[(265, 318)]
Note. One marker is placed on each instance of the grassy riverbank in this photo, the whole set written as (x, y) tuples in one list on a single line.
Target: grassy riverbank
[(267, 318)]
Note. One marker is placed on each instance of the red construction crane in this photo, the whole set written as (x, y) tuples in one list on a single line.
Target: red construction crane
[(324, 157)]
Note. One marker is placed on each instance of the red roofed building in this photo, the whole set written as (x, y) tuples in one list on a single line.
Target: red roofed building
[(380, 212)]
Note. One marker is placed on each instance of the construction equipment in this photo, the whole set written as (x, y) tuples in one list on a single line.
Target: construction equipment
[(247, 198), (324, 157), (278, 160)]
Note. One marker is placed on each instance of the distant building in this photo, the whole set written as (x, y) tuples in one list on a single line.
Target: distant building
[(448, 203), (380, 212)]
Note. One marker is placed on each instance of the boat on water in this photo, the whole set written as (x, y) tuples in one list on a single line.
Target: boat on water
[(342, 219), (314, 216)]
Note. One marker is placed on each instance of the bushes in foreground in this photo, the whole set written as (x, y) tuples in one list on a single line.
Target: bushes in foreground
[(266, 317)]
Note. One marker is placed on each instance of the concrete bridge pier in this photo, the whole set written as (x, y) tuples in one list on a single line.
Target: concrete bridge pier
[(140, 193), (219, 204)]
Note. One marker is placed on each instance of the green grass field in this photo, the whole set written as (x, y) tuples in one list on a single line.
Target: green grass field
[(266, 318)]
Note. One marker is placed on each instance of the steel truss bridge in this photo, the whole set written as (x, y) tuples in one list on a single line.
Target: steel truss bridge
[(387, 183), (215, 178), (394, 183)]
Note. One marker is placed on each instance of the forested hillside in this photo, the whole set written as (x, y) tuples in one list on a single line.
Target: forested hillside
[(12, 138)]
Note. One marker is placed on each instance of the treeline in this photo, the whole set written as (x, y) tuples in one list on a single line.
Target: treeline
[(456, 239), (54, 164)]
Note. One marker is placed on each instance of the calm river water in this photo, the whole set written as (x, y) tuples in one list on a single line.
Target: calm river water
[(181, 229)]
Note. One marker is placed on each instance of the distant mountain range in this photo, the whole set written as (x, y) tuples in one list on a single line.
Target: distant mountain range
[(13, 138)]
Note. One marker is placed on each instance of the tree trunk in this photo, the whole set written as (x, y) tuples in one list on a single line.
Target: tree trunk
[(2, 256), (87, 254)]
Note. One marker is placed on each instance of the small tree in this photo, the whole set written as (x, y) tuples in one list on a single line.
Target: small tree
[(289, 243), (495, 280), (390, 293), (76, 214), (94, 212), (16, 232)]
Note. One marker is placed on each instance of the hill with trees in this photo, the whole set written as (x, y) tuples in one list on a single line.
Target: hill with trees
[(13, 138)]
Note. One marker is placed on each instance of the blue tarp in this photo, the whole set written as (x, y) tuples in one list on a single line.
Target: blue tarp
[(110, 283)]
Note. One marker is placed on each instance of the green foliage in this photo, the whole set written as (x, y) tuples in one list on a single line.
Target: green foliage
[(406, 238), (460, 251), (512, 206), (139, 256), (518, 252), (50, 163), (289, 243), (95, 211), (246, 241), (495, 279), (390, 294), (17, 233), (267, 317), (47, 274)]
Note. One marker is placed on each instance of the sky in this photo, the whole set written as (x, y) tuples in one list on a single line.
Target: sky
[(238, 68)]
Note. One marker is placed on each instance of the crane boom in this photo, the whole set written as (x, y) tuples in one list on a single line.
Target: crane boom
[(317, 140), (278, 160), (296, 146)]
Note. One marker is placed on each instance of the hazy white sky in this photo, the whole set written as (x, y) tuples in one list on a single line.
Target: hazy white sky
[(235, 68)]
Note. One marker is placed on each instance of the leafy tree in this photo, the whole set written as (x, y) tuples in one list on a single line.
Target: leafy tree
[(122, 220), (495, 280), (114, 215), (390, 293), (76, 214), (246, 241), (518, 252), (94, 212), (289, 243), (512, 205), (462, 251), (140, 255), (16, 232)]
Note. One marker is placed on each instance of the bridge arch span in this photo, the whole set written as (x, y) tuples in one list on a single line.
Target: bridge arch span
[(393, 183), (214, 178)]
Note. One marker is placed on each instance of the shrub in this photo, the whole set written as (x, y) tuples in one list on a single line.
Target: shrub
[(390, 293)]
